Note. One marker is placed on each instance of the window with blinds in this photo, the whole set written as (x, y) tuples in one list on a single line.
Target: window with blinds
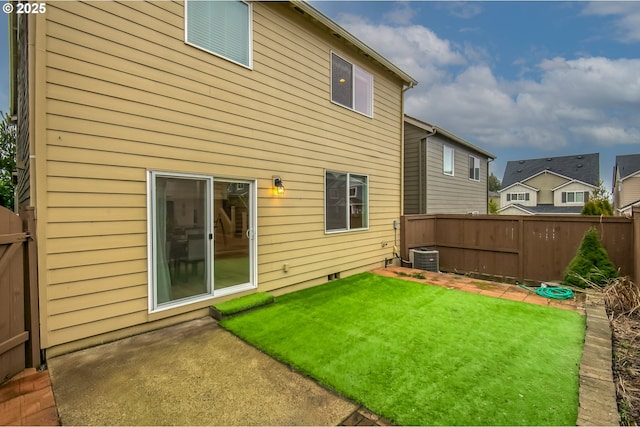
[(220, 27)]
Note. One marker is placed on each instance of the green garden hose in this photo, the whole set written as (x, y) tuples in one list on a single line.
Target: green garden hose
[(550, 292)]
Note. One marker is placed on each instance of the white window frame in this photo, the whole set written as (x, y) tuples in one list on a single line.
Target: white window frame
[(574, 194), (354, 79), (446, 147), (347, 195), (153, 306), (151, 233), (518, 197), (219, 55), (476, 168)]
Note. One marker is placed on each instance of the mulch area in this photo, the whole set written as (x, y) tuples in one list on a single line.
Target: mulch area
[(626, 367)]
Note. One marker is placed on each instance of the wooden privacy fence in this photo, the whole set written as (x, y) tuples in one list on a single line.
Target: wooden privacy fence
[(523, 248), (19, 326)]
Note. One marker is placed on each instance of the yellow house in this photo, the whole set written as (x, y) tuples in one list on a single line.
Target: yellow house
[(179, 154)]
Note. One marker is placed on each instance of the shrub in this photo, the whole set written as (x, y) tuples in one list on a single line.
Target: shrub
[(597, 207), (591, 263)]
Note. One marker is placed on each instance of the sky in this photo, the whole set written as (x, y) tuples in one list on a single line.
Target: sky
[(518, 79)]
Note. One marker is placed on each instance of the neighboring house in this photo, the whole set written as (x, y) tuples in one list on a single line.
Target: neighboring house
[(626, 184), (495, 197), (443, 173), (180, 154), (549, 186)]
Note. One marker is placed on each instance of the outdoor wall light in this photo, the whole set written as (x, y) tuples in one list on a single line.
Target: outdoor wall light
[(278, 186)]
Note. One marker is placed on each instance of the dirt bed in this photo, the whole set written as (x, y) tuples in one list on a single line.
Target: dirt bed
[(626, 367)]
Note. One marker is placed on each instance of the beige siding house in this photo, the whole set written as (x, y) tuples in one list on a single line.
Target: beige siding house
[(626, 184), (442, 172), (171, 170), (549, 186)]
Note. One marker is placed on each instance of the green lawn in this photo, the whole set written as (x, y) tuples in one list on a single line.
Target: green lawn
[(427, 355)]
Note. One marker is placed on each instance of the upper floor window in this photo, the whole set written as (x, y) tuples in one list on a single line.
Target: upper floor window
[(512, 197), (220, 27), (474, 168), (447, 160), (351, 86), (575, 196), (346, 201)]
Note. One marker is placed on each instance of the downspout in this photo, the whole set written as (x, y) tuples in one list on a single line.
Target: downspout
[(404, 89), (396, 253)]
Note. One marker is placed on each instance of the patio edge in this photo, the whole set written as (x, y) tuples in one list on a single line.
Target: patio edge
[(598, 405)]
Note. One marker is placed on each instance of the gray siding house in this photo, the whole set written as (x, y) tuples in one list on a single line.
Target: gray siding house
[(626, 184), (442, 172)]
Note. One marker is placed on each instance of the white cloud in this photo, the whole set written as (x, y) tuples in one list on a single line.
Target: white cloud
[(626, 15), (402, 14), (402, 42), (464, 10), (595, 81), (588, 100), (604, 134), (414, 48), (569, 101)]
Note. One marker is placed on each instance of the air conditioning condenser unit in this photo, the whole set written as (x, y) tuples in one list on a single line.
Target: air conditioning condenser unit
[(425, 259)]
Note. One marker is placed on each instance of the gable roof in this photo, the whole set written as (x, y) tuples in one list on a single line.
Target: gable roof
[(304, 7), (629, 205), (573, 181), (528, 187), (545, 209), (581, 167), (627, 165), (428, 127)]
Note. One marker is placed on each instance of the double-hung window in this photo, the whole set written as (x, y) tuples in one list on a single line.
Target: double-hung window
[(220, 27), (351, 86), (575, 196), (474, 168), (448, 159), (346, 201)]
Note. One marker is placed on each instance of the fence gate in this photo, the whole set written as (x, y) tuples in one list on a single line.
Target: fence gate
[(19, 333)]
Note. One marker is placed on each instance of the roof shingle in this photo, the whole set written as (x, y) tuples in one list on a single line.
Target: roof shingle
[(628, 164), (582, 167)]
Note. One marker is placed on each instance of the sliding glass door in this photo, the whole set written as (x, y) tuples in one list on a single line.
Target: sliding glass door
[(233, 233), (202, 237)]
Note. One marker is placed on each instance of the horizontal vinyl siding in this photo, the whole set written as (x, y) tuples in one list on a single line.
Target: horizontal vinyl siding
[(533, 196), (455, 194), (575, 186), (630, 191), (412, 137), (545, 182), (126, 95)]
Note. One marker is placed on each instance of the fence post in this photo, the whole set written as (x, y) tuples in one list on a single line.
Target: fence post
[(521, 247), (636, 244), (31, 307)]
